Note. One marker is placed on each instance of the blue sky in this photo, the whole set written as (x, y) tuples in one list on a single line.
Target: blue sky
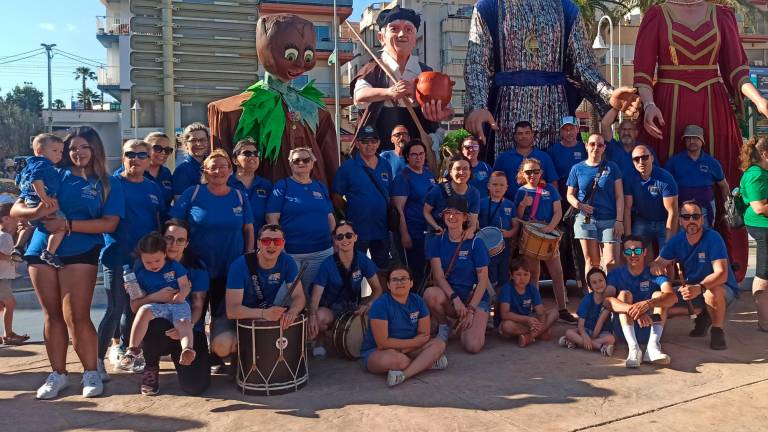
[(71, 25)]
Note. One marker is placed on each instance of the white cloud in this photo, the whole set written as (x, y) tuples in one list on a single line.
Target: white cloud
[(71, 27), (47, 26)]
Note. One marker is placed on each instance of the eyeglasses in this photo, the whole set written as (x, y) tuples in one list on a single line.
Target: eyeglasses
[(80, 148), (178, 241), (400, 134), (157, 148), (266, 241), (249, 153), (634, 251), (403, 279), (297, 161), (643, 158), (197, 140), (694, 216), (134, 155), (532, 172), (470, 147), (343, 236), (595, 144)]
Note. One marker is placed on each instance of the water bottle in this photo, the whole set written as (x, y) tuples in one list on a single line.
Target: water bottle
[(131, 285)]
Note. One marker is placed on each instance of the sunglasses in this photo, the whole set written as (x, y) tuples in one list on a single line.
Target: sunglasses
[(599, 145), (304, 161), (643, 158), (178, 241), (134, 155), (532, 172), (249, 153), (347, 236), (400, 279), (694, 216), (157, 148), (266, 241), (634, 251)]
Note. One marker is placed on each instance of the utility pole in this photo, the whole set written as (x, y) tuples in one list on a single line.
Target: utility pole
[(49, 56), (169, 99)]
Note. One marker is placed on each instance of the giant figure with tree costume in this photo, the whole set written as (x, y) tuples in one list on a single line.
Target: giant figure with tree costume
[(276, 115), (689, 65)]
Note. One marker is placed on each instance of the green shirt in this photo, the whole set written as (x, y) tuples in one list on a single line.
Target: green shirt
[(754, 187)]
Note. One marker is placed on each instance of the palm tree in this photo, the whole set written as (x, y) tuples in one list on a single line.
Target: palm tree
[(58, 104), (87, 97), (84, 73)]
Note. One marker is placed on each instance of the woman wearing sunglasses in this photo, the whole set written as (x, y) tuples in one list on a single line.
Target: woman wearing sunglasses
[(159, 150), (245, 156), (93, 203), (162, 338), (302, 206), (337, 288), (144, 210)]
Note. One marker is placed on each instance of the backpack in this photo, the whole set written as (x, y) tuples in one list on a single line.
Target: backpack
[(735, 207)]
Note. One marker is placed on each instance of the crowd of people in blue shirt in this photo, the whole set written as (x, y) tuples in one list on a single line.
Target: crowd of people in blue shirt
[(215, 239)]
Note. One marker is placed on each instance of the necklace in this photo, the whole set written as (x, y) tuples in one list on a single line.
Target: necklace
[(685, 2)]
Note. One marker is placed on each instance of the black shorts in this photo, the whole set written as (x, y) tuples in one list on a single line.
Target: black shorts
[(89, 257)]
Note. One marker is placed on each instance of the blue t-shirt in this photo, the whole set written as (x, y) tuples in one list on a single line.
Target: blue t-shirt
[(521, 304), (496, 214), (168, 276), (329, 278), (164, 179), (510, 161), (565, 158), (187, 173), (81, 199), (614, 152), (590, 312), (304, 210), (270, 280), (257, 194), (200, 280), (437, 198), (144, 211), (414, 187), (215, 225), (546, 209), (472, 255), (641, 286), (648, 195), (582, 177), (38, 168), (481, 173), (366, 203), (697, 259), (702, 172), (402, 319), (396, 162)]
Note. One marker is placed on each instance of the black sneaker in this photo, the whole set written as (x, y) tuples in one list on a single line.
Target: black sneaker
[(150, 382), (51, 259), (17, 254), (702, 324), (567, 318), (717, 339)]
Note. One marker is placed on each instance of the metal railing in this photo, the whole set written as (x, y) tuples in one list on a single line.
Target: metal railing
[(108, 76), (345, 46), (112, 25)]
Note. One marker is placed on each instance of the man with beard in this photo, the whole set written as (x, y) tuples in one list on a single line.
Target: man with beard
[(620, 151), (399, 138)]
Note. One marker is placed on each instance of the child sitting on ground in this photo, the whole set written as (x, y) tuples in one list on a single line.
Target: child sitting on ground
[(7, 273), (522, 314), (39, 185), (592, 316), (154, 271)]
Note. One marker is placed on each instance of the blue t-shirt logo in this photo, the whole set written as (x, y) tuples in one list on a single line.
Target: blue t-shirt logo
[(463, 254), (702, 257), (273, 277), (384, 176), (482, 175), (414, 317), (645, 285), (703, 168), (88, 192), (357, 275), (317, 195), (527, 304), (237, 211), (154, 199), (653, 190), (261, 193), (508, 211), (577, 155), (169, 276)]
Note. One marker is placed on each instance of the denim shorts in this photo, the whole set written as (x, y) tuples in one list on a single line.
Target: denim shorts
[(651, 230), (600, 230), (171, 311)]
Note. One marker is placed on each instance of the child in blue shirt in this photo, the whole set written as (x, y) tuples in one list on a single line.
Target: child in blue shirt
[(39, 185), (497, 211), (592, 316), (522, 314), (154, 271)]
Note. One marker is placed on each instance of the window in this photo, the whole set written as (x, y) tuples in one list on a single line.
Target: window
[(323, 32)]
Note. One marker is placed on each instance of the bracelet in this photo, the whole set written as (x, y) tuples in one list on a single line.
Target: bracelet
[(619, 220)]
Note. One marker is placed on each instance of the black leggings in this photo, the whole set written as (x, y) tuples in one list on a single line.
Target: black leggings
[(193, 379), (760, 235)]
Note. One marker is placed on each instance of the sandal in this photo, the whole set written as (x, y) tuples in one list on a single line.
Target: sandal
[(15, 339), (187, 357)]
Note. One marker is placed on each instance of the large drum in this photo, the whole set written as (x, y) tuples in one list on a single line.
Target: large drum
[(347, 336), (537, 244), (493, 239), (271, 361)]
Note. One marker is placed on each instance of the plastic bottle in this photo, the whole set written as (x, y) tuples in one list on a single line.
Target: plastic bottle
[(131, 285)]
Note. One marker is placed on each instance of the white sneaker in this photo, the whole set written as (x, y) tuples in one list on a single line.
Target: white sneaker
[(655, 356), (634, 358), (102, 371), (55, 383), (441, 363), (92, 385), (395, 377), (115, 352), (607, 350)]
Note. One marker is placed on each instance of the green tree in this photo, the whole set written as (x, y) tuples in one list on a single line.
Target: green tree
[(58, 104), (17, 126), (88, 97), (28, 98), (83, 74)]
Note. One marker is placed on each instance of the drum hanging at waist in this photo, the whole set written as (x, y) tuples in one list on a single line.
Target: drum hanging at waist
[(348, 332), (493, 239), (537, 244)]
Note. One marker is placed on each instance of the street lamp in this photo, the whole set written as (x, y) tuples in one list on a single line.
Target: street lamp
[(135, 117), (599, 43)]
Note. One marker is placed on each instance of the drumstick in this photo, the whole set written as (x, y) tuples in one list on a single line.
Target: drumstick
[(691, 312), (287, 299)]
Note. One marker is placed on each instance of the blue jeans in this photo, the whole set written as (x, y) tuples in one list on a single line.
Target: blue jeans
[(118, 315), (651, 230), (381, 254)]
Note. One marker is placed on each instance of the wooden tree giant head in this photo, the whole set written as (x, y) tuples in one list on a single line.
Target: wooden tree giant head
[(285, 44)]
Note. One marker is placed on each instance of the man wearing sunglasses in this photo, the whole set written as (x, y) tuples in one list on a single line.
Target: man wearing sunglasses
[(620, 151), (642, 301), (650, 199), (709, 282), (399, 138)]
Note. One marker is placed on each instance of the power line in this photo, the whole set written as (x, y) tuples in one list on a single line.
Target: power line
[(11, 61), (65, 53), (20, 54), (87, 63)]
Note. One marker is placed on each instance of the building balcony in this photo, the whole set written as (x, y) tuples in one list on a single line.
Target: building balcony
[(328, 3), (327, 89), (109, 28), (109, 76), (345, 46)]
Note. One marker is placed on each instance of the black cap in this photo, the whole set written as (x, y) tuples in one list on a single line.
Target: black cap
[(367, 132), (397, 13), (456, 203)]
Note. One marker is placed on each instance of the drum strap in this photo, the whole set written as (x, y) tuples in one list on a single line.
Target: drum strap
[(252, 261), (492, 214), (536, 200), (346, 279)]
